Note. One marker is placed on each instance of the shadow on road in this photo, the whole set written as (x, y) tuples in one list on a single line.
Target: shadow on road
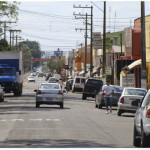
[(48, 143)]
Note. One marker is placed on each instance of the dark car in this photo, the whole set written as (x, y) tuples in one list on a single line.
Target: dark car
[(41, 75), (91, 88), (100, 100)]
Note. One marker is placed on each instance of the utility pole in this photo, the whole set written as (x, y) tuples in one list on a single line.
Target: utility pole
[(12, 41), (104, 39), (91, 47), (121, 42), (143, 47), (85, 46), (5, 22)]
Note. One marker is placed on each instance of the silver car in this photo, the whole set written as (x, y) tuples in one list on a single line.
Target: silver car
[(141, 134), (128, 98), (49, 93), (100, 99), (31, 79)]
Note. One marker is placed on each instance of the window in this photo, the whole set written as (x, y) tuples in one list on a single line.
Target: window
[(115, 40), (77, 80), (82, 80)]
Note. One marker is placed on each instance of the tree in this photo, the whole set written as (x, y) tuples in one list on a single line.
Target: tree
[(56, 65), (4, 43), (34, 48), (9, 9)]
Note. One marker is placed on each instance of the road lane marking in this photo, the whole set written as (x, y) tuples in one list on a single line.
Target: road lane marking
[(35, 119), (52, 119), (17, 120), (3, 120), (56, 120), (48, 119)]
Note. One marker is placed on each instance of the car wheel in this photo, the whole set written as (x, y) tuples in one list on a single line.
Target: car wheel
[(144, 139), (136, 141), (119, 112), (61, 105), (37, 105), (2, 99), (84, 97)]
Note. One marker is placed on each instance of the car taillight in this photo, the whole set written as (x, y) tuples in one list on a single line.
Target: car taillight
[(148, 113), (122, 100), (39, 92), (60, 93)]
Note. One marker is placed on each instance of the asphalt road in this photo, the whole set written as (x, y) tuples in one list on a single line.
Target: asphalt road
[(78, 125)]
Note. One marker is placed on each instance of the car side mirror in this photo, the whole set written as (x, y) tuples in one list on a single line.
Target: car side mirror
[(35, 90)]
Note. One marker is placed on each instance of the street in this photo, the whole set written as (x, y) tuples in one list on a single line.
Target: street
[(78, 125)]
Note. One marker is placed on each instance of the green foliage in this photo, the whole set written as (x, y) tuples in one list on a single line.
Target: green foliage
[(4, 45), (56, 65), (34, 48), (9, 9), (108, 77)]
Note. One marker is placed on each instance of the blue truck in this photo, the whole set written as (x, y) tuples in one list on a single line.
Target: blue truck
[(11, 74)]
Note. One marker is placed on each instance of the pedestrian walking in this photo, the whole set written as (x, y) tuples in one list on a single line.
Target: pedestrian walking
[(107, 91), (61, 83), (68, 86)]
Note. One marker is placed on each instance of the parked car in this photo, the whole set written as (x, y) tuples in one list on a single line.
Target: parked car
[(40, 75), (31, 79), (1, 94), (91, 88), (52, 80), (141, 134), (78, 84), (49, 93), (128, 98), (100, 99)]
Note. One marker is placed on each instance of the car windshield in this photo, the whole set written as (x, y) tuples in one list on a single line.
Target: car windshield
[(7, 71), (134, 92), (95, 82), (49, 86)]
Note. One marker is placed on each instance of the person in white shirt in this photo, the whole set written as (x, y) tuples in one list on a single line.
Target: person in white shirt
[(108, 90)]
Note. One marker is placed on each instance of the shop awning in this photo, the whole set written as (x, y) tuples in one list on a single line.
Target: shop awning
[(95, 69), (82, 72), (127, 69)]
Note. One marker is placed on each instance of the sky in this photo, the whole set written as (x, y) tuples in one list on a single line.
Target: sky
[(53, 23)]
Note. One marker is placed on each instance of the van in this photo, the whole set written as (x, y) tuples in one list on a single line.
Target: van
[(78, 84)]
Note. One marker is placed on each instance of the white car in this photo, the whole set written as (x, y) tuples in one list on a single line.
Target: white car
[(31, 79), (78, 84), (127, 99), (141, 134), (49, 93)]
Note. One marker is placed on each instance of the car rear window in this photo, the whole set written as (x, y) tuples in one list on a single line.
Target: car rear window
[(95, 82), (77, 80), (134, 92), (82, 80), (49, 86)]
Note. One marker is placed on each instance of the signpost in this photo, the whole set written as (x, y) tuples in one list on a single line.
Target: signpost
[(58, 53), (97, 40)]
